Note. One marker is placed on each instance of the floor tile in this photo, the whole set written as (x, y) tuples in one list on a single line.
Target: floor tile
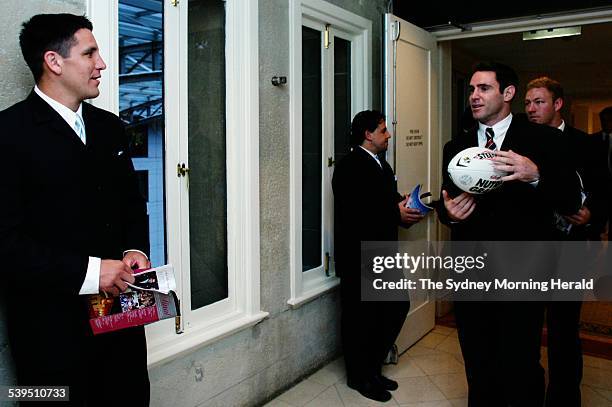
[(352, 398), (330, 374), (417, 389), (443, 330), (590, 398), (599, 363), (277, 403), (460, 402), (442, 363), (607, 394), (329, 398), (450, 345), (432, 339), (404, 368), (441, 403), (597, 377), (420, 350), (453, 385), (302, 393)]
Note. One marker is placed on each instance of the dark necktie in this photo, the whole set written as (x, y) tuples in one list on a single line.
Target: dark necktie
[(490, 144)]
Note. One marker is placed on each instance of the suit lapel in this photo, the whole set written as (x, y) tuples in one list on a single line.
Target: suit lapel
[(45, 116), (512, 136), (92, 126), (470, 138), (368, 158)]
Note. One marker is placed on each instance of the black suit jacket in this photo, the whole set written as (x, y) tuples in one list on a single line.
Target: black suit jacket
[(517, 210), (365, 206), (61, 202), (601, 148), (592, 167)]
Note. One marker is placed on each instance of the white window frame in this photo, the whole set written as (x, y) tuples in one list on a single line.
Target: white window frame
[(241, 309), (305, 286)]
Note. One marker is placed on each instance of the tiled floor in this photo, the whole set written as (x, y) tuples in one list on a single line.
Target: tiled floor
[(430, 374)]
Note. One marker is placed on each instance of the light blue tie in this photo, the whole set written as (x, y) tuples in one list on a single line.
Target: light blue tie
[(79, 126)]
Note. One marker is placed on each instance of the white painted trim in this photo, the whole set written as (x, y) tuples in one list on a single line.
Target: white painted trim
[(176, 194), (178, 345), (242, 307), (295, 146), (242, 143), (310, 295), (105, 18), (358, 30), (242, 104), (327, 13), (525, 24)]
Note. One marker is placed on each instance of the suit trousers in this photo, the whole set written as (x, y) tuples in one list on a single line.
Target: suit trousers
[(500, 343), (114, 374), (564, 354), (368, 328)]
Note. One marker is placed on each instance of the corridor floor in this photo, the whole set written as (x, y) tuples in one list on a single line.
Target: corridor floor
[(430, 374)]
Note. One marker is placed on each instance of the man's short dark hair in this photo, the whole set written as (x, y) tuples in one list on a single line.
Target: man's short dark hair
[(554, 87), (606, 112), (49, 32), (366, 120), (503, 74)]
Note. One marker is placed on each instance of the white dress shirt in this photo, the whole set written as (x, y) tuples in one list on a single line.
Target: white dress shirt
[(499, 130)]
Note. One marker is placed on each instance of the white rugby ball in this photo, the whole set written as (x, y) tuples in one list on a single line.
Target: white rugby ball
[(472, 171)]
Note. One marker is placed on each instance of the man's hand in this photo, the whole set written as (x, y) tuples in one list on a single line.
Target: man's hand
[(134, 258), (113, 276), (520, 167), (409, 216), (582, 217), (460, 207)]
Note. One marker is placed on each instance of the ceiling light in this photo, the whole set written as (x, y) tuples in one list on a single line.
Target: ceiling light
[(551, 33)]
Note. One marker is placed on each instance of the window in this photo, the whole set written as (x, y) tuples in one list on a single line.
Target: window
[(141, 107), (331, 53), (189, 93)]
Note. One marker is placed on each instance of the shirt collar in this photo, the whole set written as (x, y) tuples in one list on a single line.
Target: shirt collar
[(500, 128), (372, 154), (67, 114), (562, 125)]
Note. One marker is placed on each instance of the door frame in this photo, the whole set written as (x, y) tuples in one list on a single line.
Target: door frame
[(443, 38)]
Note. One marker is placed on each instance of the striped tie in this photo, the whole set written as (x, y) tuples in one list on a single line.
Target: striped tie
[(79, 126), (490, 144)]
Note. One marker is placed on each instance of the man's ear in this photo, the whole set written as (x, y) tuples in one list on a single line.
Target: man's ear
[(509, 93), (368, 135), (558, 104), (53, 62)]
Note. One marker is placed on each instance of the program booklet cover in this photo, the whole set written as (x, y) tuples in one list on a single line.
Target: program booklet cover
[(149, 299)]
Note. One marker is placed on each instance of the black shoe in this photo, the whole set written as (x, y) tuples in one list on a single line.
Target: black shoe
[(371, 389), (387, 383)]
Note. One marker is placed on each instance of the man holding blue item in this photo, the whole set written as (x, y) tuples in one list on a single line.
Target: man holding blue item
[(367, 207)]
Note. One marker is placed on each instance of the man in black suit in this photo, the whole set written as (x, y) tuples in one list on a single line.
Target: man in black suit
[(543, 103), (603, 146), (367, 207), (500, 341), (72, 221)]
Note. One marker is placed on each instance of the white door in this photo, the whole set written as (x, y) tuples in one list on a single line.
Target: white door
[(411, 77)]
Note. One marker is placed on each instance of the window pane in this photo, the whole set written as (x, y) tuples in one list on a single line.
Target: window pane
[(207, 155), (141, 106), (311, 149), (342, 97)]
